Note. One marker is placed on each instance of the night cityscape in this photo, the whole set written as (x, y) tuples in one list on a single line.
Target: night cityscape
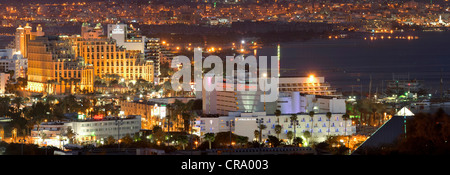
[(133, 77)]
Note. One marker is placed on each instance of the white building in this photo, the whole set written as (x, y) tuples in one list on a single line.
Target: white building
[(215, 124), (50, 133), (12, 60), (91, 32), (222, 102), (87, 131), (3, 81), (294, 102), (170, 100), (244, 124), (297, 95), (127, 37), (100, 130), (307, 85)]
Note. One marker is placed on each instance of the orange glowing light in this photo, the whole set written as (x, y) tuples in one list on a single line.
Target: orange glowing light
[(311, 78)]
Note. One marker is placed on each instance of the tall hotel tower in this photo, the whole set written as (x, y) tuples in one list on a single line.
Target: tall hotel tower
[(70, 64)]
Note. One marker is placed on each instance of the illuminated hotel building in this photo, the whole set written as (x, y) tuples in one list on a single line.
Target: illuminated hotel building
[(130, 38), (23, 35), (11, 60), (222, 102), (107, 58), (307, 85), (63, 64), (126, 37), (87, 131), (151, 113), (88, 31), (153, 52), (54, 68), (3, 82)]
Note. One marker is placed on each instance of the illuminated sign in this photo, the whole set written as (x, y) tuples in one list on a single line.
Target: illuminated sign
[(117, 30), (81, 116), (98, 117), (162, 111)]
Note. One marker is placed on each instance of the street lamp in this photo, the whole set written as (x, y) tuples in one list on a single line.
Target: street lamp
[(118, 123), (191, 124), (264, 75), (231, 124)]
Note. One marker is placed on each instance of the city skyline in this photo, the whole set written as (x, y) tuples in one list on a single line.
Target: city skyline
[(98, 78)]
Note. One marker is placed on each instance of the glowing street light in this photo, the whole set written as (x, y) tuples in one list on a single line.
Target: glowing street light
[(118, 123)]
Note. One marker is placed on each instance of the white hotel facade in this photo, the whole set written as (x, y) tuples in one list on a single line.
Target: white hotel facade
[(237, 111), (86, 131), (319, 126), (244, 124)]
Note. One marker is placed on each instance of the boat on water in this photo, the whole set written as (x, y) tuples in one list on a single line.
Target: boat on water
[(421, 105)]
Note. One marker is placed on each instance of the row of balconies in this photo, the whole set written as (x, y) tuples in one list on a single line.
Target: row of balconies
[(318, 90), (304, 84)]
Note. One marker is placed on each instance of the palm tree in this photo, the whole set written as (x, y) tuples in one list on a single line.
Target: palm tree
[(62, 81), (17, 102), (361, 109), (188, 115), (382, 110), (210, 137), (256, 133), (183, 140), (76, 82), (294, 122), (278, 129), (70, 134), (290, 135), (43, 136), (48, 86), (110, 140), (311, 114), (127, 139), (167, 87), (278, 113), (329, 121), (307, 135), (345, 117), (51, 84), (158, 133), (261, 127), (241, 140), (71, 82), (178, 108)]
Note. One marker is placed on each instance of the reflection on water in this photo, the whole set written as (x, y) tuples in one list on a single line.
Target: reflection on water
[(343, 61)]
